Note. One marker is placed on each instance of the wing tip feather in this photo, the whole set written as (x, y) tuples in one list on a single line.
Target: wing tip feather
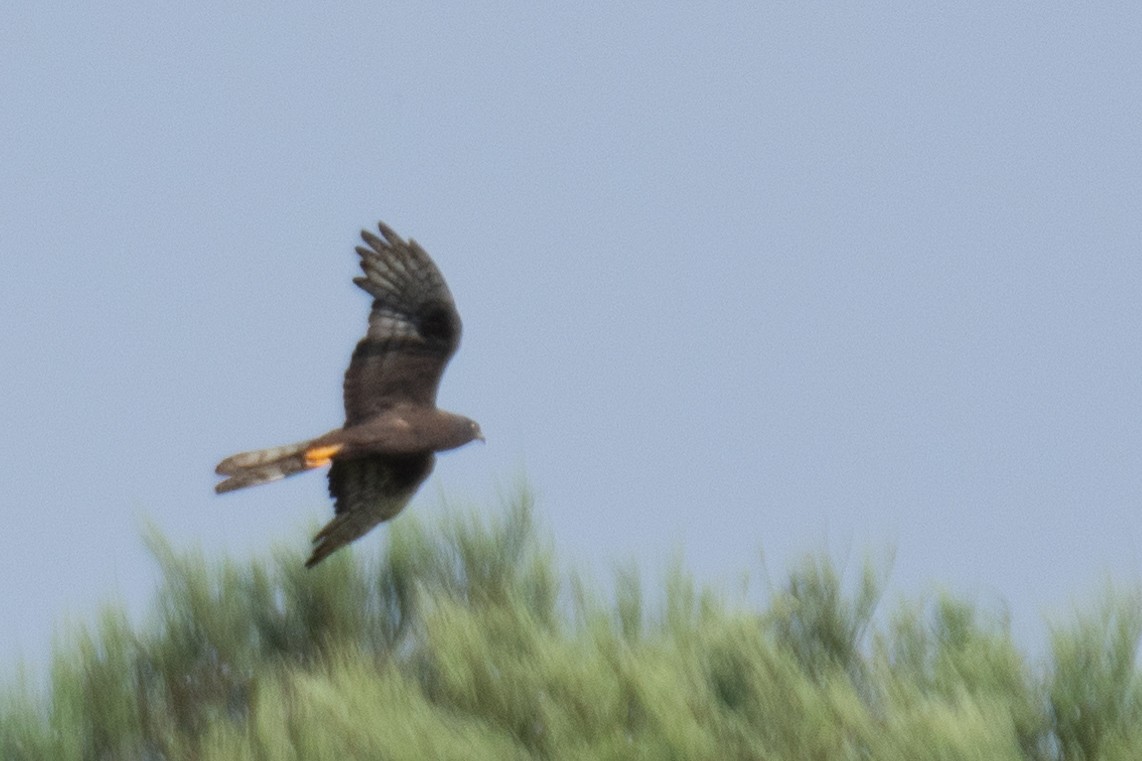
[(376, 244), (390, 238), (390, 234)]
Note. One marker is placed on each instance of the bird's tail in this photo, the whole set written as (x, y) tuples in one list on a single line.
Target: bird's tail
[(265, 465)]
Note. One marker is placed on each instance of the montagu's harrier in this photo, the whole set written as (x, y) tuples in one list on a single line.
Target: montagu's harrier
[(392, 426)]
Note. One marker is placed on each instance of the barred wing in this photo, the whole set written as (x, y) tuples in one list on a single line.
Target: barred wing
[(414, 328), (367, 491)]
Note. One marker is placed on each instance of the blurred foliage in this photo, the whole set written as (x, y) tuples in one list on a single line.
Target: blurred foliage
[(464, 641)]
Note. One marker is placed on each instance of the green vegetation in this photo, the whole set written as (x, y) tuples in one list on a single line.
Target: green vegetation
[(464, 642)]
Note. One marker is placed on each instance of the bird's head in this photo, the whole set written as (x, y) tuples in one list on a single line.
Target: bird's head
[(460, 430)]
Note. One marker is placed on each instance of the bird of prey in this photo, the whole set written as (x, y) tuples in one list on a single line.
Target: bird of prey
[(392, 426)]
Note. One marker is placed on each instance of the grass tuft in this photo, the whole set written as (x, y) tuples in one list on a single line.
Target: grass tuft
[(465, 641)]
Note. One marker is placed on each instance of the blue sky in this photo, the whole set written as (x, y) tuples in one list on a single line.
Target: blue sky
[(736, 278)]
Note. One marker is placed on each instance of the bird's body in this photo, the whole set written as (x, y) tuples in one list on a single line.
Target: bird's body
[(392, 426)]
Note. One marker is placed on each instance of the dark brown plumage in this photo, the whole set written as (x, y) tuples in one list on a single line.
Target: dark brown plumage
[(392, 427)]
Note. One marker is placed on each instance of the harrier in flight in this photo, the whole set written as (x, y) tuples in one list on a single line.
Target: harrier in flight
[(392, 426)]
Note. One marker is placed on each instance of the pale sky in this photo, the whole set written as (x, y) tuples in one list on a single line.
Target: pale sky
[(736, 278)]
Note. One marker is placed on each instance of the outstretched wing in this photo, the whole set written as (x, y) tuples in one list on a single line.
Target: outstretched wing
[(414, 328), (367, 491)]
